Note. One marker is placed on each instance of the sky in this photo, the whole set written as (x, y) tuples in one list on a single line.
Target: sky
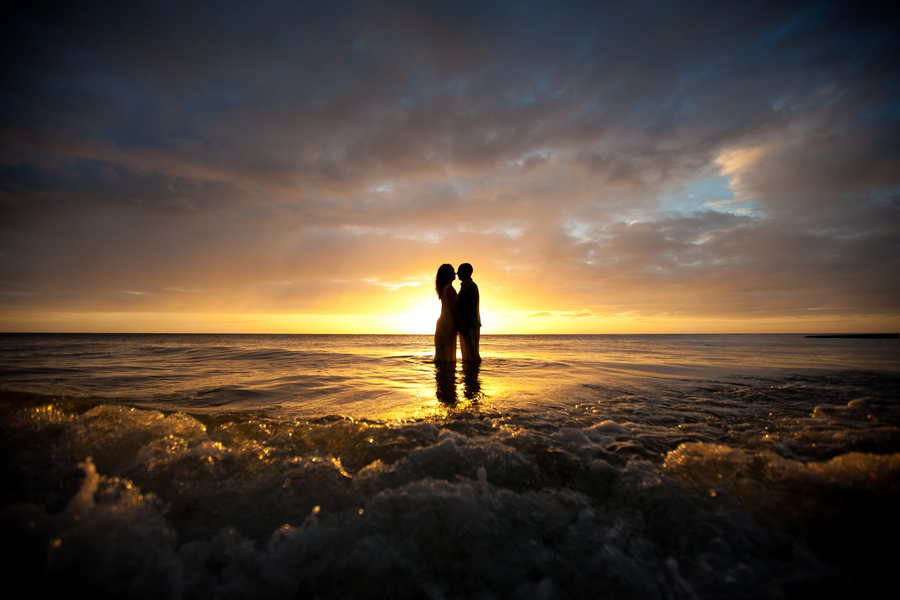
[(305, 167)]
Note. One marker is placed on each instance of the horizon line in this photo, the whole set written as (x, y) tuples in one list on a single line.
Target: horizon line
[(816, 333)]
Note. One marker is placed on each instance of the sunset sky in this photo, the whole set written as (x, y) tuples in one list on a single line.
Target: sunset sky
[(620, 167)]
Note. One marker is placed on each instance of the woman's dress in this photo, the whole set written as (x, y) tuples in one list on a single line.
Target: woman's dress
[(445, 332)]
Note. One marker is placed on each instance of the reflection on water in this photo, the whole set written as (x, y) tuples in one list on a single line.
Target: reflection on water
[(471, 382), (449, 376), (445, 382), (390, 378)]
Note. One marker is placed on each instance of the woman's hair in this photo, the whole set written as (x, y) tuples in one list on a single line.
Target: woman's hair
[(444, 276)]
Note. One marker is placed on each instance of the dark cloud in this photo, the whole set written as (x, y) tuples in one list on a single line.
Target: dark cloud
[(289, 157)]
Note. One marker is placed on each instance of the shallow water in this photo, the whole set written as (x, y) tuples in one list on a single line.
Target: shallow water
[(564, 466)]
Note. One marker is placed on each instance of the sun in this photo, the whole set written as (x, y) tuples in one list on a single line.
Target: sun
[(421, 320)]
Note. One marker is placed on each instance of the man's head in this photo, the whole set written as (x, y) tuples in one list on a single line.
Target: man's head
[(464, 271)]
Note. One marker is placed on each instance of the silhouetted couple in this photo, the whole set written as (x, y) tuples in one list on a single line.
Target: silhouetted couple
[(459, 315)]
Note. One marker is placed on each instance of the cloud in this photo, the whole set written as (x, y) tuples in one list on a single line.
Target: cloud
[(702, 158)]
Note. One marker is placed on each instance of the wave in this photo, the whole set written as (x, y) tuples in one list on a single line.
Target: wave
[(626, 496), (305, 466)]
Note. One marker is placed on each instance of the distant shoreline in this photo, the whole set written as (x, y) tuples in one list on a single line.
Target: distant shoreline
[(859, 336)]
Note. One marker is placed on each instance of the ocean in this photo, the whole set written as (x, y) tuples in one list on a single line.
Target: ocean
[(317, 466)]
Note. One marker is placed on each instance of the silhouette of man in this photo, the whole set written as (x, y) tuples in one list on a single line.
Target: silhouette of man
[(469, 314)]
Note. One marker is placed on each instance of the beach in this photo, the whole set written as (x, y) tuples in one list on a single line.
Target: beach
[(230, 466)]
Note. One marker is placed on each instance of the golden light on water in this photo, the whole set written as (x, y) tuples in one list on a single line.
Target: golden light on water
[(443, 390)]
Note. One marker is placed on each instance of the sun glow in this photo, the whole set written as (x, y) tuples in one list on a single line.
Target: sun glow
[(421, 320), (408, 311)]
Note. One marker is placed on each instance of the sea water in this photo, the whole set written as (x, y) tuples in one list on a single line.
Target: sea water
[(242, 466)]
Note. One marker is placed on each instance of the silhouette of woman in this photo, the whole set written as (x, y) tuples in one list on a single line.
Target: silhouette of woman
[(449, 322)]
